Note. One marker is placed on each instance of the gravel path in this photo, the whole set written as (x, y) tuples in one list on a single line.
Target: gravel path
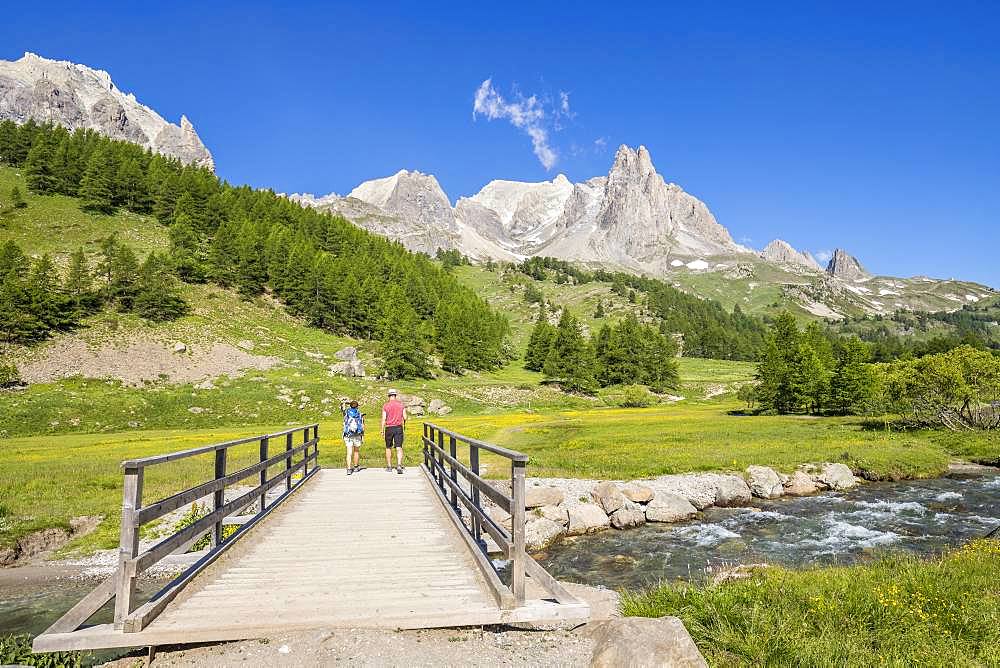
[(409, 649)]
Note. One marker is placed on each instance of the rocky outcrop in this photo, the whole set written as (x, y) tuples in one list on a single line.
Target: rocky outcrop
[(781, 252), (643, 642), (846, 267), (764, 482), (78, 97), (352, 369)]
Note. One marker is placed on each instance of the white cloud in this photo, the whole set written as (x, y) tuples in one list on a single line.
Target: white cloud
[(600, 143), (823, 255), (564, 103), (527, 114)]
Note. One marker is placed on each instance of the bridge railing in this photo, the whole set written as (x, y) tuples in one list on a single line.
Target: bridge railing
[(443, 464), (299, 453)]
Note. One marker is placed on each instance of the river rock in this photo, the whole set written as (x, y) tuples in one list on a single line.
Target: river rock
[(643, 642), (586, 518), (764, 482), (557, 514), (540, 531), (731, 490), (347, 354), (180, 347), (500, 516), (637, 492), (628, 516), (800, 484), (699, 490), (837, 477), (608, 496), (538, 496), (667, 507)]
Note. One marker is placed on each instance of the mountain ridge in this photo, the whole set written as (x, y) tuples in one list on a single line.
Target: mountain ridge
[(80, 97)]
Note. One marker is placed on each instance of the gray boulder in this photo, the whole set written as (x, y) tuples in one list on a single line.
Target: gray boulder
[(628, 516), (348, 354), (764, 482), (557, 514), (586, 518), (837, 477), (540, 531), (350, 369), (538, 496), (800, 484), (731, 490), (666, 507), (608, 496), (643, 642), (637, 492)]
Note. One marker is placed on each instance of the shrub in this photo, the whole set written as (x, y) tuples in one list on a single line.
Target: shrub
[(16, 650), (9, 376), (636, 396)]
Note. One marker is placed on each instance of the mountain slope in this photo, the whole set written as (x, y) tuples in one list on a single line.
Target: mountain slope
[(78, 97)]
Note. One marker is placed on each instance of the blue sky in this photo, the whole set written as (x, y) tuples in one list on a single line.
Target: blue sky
[(876, 129)]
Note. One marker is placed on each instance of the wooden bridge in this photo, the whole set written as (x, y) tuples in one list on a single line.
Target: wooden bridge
[(317, 549)]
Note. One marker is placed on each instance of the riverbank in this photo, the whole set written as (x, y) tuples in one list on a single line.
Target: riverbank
[(897, 611)]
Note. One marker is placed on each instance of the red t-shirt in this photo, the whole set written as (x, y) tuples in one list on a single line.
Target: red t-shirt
[(393, 410)]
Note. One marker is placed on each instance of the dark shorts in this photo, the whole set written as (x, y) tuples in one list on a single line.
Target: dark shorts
[(394, 437)]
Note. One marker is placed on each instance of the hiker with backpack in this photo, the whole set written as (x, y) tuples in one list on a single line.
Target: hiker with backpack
[(354, 434)]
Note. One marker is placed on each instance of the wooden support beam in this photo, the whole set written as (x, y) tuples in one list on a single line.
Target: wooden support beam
[(517, 532), (128, 546)]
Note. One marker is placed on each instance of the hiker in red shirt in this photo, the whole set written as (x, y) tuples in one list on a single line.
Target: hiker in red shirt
[(393, 422)]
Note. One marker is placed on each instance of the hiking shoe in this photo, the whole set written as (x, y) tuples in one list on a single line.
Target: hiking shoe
[(350, 471), (388, 469), (399, 470)]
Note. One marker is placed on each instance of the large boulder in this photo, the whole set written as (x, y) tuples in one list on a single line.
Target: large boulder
[(800, 484), (667, 507), (608, 496), (352, 369), (699, 490), (643, 642), (411, 400), (540, 531), (628, 516), (557, 514), (764, 482), (538, 496), (637, 492), (586, 518), (438, 407), (348, 354), (836, 476), (731, 490)]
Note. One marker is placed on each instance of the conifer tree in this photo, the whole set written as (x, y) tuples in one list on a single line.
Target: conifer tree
[(124, 277), (44, 297), (853, 381), (157, 296), (18, 324), (776, 369), (79, 281), (96, 192), (185, 250), (571, 357), (402, 341), (17, 199), (599, 311), (38, 167), (131, 186), (539, 342)]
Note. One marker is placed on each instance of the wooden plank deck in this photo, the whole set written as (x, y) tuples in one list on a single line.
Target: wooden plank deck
[(371, 550)]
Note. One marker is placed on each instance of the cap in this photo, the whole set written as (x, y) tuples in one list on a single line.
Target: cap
[(393, 393)]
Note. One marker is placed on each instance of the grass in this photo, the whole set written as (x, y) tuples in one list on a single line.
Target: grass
[(898, 611)]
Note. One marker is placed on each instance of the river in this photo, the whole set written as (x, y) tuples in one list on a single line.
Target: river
[(921, 517)]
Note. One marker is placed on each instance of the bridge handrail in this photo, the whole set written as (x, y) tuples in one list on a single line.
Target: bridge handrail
[(512, 543), (122, 585)]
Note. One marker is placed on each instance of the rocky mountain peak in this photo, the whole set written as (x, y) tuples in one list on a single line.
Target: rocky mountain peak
[(845, 266), (80, 97), (781, 252)]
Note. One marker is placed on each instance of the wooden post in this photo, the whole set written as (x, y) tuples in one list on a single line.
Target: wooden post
[(129, 545), (441, 458), (453, 451), (219, 497), (288, 462), (263, 472), (423, 444), (305, 452), (477, 530), (517, 532)]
